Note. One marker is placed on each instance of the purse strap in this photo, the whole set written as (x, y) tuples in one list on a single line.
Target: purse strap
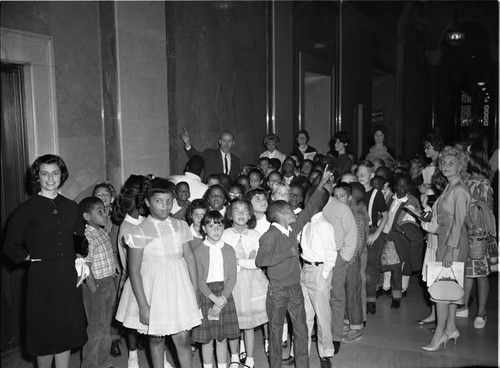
[(439, 274)]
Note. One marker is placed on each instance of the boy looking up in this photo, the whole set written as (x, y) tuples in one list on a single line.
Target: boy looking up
[(279, 252), (100, 293)]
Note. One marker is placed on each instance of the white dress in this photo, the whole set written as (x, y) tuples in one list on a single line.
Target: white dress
[(250, 290), (165, 278)]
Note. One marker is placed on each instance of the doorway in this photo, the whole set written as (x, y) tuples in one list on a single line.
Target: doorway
[(13, 191), (316, 100)]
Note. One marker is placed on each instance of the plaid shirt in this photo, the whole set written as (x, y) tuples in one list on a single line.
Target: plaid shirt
[(101, 257)]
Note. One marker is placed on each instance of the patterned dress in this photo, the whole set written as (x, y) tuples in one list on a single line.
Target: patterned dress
[(480, 189)]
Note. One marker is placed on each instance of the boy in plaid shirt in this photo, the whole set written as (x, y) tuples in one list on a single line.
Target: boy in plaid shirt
[(100, 293)]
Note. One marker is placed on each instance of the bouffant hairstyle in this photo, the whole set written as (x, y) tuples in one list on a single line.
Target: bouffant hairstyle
[(461, 156), (342, 137), (380, 128), (435, 140), (48, 159)]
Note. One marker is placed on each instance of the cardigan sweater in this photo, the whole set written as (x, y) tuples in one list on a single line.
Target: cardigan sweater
[(202, 255), (279, 253)]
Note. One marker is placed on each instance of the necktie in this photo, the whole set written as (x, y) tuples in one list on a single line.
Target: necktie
[(226, 166)]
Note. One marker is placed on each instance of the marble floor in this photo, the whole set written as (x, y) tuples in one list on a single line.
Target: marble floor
[(391, 339)]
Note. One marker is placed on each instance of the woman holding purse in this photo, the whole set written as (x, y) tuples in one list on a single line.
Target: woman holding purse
[(452, 247)]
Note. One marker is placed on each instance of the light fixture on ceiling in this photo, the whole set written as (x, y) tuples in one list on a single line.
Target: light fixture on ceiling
[(455, 35)]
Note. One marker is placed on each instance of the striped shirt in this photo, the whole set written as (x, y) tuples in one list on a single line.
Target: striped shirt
[(101, 256)]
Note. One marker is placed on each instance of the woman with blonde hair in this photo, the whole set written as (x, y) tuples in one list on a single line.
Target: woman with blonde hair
[(451, 209)]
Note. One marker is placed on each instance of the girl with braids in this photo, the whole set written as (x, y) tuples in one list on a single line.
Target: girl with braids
[(161, 295), (127, 213)]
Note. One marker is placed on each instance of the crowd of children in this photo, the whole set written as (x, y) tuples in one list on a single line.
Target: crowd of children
[(301, 244)]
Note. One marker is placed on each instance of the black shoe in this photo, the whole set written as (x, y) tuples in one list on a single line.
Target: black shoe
[(381, 292), (371, 308), (314, 338), (115, 349), (289, 361), (336, 346), (405, 293), (396, 303), (325, 362)]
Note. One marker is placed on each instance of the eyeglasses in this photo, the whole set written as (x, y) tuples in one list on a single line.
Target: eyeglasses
[(236, 195)]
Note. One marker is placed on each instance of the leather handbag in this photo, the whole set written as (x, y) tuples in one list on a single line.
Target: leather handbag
[(446, 289)]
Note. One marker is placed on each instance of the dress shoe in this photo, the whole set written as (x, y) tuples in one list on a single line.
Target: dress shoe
[(336, 346), (405, 293), (480, 322), (382, 291), (454, 335), (115, 349), (325, 362), (396, 303), (423, 322), (314, 338), (289, 361), (443, 340), (371, 308), (462, 313)]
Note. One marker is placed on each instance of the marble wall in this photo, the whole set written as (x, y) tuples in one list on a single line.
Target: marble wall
[(219, 51), (142, 87), (73, 27)]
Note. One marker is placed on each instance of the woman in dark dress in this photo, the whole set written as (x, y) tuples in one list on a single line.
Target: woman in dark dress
[(41, 232), (302, 150)]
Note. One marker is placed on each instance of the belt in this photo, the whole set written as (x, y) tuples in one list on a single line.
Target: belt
[(312, 263)]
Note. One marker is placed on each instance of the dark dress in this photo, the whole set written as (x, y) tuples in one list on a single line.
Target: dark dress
[(43, 228)]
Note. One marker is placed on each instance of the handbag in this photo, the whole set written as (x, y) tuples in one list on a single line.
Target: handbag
[(446, 289), (480, 222), (477, 246), (389, 254)]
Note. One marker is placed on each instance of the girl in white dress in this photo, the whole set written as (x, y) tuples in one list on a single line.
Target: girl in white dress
[(251, 283), (160, 297)]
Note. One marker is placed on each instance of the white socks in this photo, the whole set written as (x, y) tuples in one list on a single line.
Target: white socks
[(133, 359), (249, 362), (207, 365)]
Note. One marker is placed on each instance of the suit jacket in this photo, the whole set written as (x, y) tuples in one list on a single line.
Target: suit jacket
[(214, 163)]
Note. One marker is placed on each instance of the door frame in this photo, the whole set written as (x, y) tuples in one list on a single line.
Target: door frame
[(35, 52)]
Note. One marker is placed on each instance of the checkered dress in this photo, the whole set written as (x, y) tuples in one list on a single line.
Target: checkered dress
[(227, 325)]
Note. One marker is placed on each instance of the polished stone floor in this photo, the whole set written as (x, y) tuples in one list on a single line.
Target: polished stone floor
[(391, 339)]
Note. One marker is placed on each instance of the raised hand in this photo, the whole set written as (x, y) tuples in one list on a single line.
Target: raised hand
[(325, 180), (185, 138)]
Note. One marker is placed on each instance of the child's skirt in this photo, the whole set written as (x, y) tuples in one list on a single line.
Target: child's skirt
[(250, 298), (227, 325)]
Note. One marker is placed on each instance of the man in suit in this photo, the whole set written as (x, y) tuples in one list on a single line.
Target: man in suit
[(217, 161)]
